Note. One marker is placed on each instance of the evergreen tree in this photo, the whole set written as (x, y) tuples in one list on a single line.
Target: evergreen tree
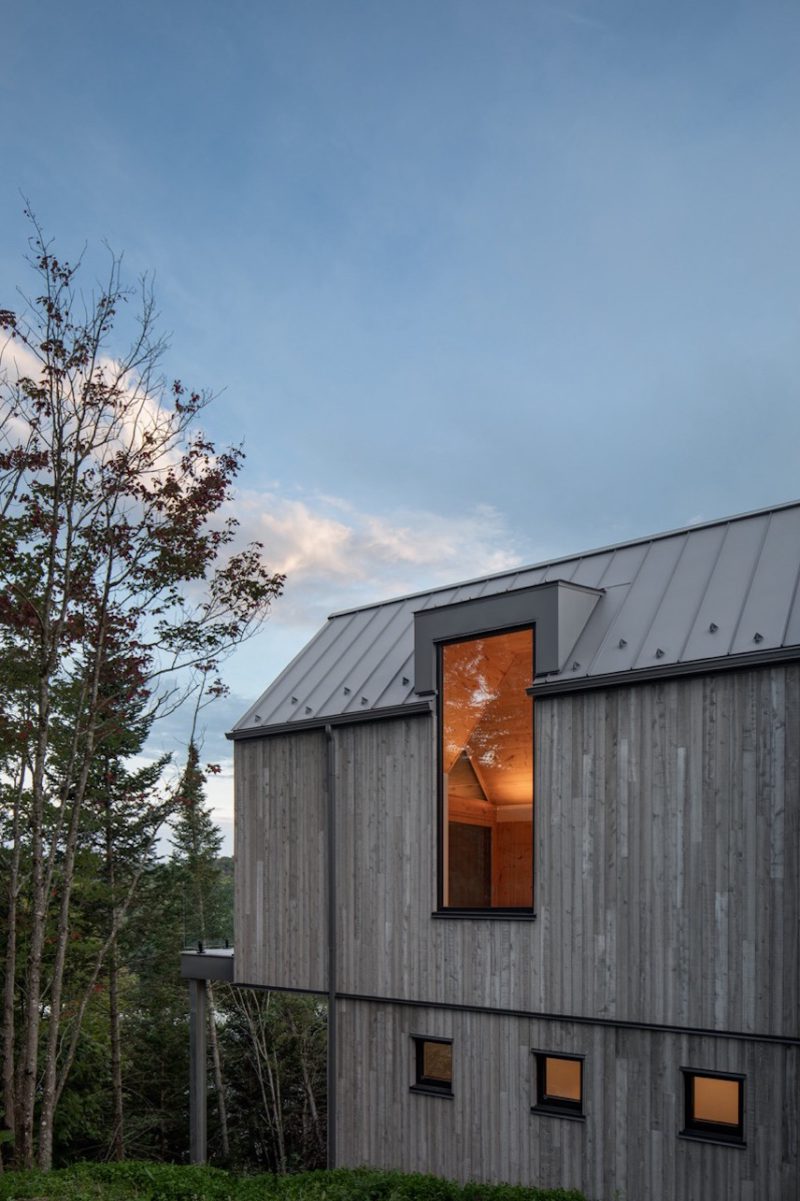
[(196, 845)]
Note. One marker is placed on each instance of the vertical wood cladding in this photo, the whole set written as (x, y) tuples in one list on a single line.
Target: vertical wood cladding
[(628, 1146), (667, 860), (280, 891)]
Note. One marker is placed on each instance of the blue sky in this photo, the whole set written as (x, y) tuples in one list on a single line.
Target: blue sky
[(477, 282)]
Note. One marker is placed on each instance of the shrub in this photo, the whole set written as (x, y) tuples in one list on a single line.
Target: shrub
[(170, 1182)]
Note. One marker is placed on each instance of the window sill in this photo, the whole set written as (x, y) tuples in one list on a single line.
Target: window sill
[(492, 915), (548, 1112), (430, 1092), (717, 1141)]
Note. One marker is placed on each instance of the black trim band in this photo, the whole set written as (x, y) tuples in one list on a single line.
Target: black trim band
[(642, 675), (615, 1024), (412, 709), (493, 915), (577, 1019), (548, 687), (303, 992)]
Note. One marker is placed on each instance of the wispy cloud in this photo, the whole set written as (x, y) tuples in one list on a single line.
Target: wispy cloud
[(336, 555)]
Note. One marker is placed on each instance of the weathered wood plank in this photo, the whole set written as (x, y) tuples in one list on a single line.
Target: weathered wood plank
[(280, 895), (666, 822), (627, 1146)]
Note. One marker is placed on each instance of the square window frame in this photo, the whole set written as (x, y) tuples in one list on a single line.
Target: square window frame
[(699, 1130), (491, 913), (427, 1085), (554, 1107)]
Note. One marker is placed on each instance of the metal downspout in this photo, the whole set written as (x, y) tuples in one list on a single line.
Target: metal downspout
[(331, 786)]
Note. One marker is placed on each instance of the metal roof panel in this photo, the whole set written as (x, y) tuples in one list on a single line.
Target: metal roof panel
[(792, 634), (694, 594), (715, 625), (591, 569), (681, 599), (627, 634), (375, 670), (769, 599)]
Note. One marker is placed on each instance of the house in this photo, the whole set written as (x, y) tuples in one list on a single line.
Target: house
[(536, 839)]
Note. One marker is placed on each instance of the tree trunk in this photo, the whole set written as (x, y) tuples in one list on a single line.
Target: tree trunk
[(118, 1110), (257, 1021), (319, 1136), (120, 914), (49, 1095), (9, 989), (219, 1082), (274, 1081), (118, 1129), (30, 1049), (48, 1103)]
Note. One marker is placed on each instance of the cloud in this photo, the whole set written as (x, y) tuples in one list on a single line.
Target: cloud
[(335, 555), (131, 417)]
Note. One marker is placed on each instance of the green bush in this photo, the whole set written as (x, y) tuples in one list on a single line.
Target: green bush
[(169, 1182)]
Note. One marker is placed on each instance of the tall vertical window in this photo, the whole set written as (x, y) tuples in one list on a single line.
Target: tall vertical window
[(487, 773)]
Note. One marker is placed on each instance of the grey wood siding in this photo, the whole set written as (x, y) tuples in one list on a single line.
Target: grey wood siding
[(667, 861), (280, 879), (627, 1149)]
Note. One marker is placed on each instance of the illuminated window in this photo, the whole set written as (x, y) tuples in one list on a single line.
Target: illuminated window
[(434, 1066), (714, 1106), (487, 773), (559, 1084)]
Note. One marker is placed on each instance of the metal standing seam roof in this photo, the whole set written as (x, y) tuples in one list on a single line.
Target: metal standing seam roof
[(716, 590)]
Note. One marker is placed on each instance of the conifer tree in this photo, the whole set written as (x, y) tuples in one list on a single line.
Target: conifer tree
[(196, 847), (197, 843)]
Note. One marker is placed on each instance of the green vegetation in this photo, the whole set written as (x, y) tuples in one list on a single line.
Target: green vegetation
[(123, 587), (166, 1182)]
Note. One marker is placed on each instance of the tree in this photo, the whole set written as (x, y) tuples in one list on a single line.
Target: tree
[(276, 1054), (120, 591), (196, 846)]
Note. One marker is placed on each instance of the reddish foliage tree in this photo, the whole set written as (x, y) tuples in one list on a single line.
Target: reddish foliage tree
[(121, 590)]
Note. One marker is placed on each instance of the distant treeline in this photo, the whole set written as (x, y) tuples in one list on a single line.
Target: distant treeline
[(126, 1093)]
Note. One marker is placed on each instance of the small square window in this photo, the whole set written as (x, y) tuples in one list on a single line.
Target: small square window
[(559, 1084), (713, 1106), (434, 1066)]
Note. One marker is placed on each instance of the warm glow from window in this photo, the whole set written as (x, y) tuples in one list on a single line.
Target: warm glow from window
[(562, 1079), (437, 1062), (487, 769), (716, 1100)]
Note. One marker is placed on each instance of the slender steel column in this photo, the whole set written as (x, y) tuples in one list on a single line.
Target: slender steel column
[(198, 1115), (331, 774)]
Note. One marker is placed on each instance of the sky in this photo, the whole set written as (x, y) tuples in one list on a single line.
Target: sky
[(475, 283)]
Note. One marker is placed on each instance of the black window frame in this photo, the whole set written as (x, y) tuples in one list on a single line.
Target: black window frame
[(429, 1085), (711, 1132), (558, 1107), (521, 912)]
